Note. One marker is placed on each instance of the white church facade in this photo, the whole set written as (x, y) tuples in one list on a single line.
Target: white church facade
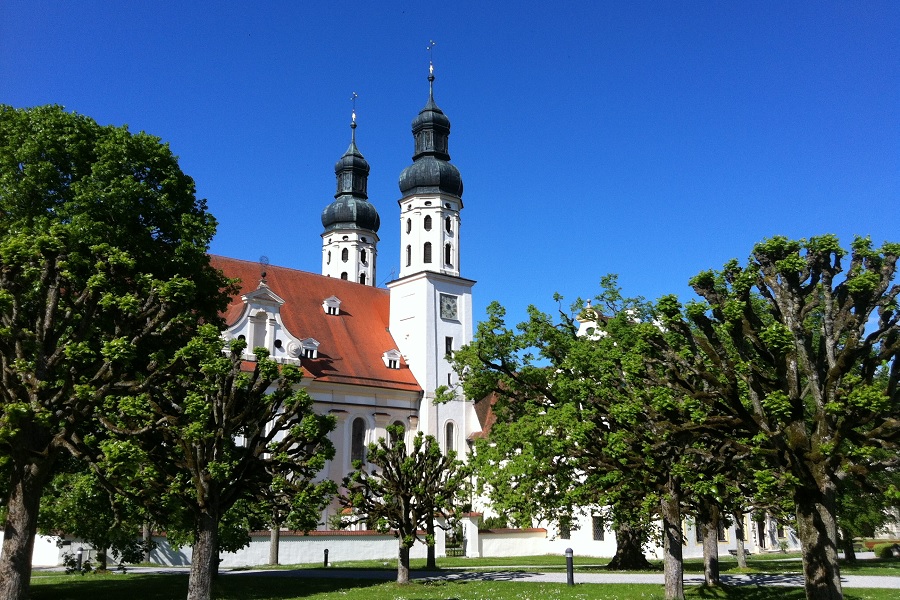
[(373, 357)]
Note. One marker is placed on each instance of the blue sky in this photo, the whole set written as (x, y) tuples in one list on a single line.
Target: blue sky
[(648, 139)]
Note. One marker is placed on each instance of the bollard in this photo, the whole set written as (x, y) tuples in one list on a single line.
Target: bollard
[(326, 558), (79, 557), (570, 569)]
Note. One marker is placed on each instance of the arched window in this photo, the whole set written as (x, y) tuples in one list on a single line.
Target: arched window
[(362, 278), (449, 437), (362, 256), (408, 225), (426, 254), (358, 440), (344, 275), (447, 255), (448, 224), (345, 255), (328, 261), (408, 255), (428, 223)]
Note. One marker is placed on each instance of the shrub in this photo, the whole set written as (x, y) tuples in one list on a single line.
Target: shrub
[(887, 550)]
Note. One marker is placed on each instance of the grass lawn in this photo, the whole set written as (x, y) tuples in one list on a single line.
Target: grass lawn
[(262, 587)]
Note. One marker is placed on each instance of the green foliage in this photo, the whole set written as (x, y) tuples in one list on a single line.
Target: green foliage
[(886, 550), (402, 488), (103, 272), (216, 450)]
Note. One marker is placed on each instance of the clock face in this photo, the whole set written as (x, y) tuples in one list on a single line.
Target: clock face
[(448, 306)]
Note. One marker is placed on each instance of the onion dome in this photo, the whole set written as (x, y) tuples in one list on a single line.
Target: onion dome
[(431, 172), (351, 208)]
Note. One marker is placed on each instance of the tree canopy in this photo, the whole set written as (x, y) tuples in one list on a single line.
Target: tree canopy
[(415, 485), (212, 435), (787, 365), (103, 272)]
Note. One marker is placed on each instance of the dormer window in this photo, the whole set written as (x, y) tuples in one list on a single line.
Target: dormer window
[(309, 348), (391, 359), (332, 306)]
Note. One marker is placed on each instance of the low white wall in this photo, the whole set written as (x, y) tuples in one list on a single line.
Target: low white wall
[(512, 542), (46, 551), (297, 548)]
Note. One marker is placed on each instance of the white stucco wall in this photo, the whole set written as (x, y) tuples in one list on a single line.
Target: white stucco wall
[(46, 551)]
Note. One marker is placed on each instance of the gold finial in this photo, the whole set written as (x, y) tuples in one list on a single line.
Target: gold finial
[(353, 98)]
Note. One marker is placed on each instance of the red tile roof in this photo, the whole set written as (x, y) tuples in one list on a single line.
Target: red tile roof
[(351, 343), (484, 410)]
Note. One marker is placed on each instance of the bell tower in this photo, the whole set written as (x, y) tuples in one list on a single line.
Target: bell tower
[(431, 304), (350, 239)]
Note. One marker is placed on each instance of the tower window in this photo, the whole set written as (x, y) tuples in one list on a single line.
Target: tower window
[(447, 255), (344, 275), (345, 254), (426, 254), (328, 260), (448, 346), (408, 255), (358, 440), (408, 225), (362, 256), (362, 278), (427, 222), (448, 224)]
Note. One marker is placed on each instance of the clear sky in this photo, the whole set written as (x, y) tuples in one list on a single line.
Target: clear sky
[(650, 139)]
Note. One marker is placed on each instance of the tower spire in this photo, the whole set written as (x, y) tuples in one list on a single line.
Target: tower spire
[(430, 49), (351, 221)]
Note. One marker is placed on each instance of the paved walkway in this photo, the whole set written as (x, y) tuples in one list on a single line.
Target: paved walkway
[(791, 580)]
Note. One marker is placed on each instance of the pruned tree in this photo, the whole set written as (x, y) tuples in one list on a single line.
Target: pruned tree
[(415, 485), (103, 273), (214, 435), (800, 347)]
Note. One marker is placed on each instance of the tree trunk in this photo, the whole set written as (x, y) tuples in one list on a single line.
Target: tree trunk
[(629, 549), (274, 541), (205, 551), (430, 562), (148, 540), (739, 542), (670, 510), (847, 546), (708, 517), (817, 530), (26, 484), (403, 564)]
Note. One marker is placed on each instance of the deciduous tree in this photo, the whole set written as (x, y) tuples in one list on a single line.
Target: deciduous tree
[(401, 489), (103, 272), (213, 435)]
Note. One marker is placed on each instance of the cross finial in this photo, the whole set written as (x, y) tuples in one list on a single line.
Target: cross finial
[(353, 98), (430, 49)]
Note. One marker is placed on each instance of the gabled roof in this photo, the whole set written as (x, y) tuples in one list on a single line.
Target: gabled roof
[(351, 343)]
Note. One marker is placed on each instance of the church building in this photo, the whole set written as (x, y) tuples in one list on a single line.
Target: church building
[(373, 357)]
